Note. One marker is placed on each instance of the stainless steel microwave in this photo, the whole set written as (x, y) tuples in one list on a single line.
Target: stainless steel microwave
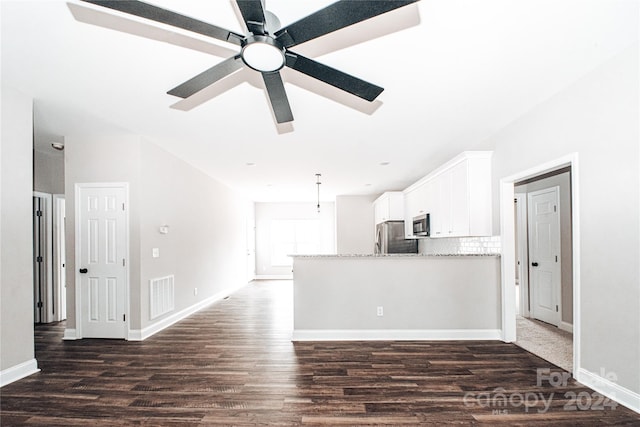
[(421, 225)]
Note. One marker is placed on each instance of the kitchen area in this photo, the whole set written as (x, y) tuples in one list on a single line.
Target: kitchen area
[(434, 272)]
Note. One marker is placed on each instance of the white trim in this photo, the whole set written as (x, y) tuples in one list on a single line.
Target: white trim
[(395, 334), (508, 261), (566, 326), (508, 247), (609, 389), (70, 335), (143, 334), (522, 251), (59, 271), (77, 243), (19, 371), (274, 277)]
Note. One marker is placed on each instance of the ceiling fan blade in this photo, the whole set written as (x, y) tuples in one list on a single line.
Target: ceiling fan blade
[(334, 17), (155, 13), (253, 15), (346, 82), (207, 78), (278, 97)]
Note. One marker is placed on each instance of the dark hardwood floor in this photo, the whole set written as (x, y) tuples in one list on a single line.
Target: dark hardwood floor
[(234, 364)]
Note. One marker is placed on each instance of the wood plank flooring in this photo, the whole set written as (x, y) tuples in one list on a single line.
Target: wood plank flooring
[(234, 364)]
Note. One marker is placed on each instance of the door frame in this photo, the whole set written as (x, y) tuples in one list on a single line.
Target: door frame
[(507, 230), (59, 255), (48, 303), (558, 283), (522, 252), (78, 246)]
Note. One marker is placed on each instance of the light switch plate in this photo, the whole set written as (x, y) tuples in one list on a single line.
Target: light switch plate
[(156, 253)]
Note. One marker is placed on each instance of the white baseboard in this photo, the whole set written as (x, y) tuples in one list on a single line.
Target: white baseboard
[(142, 334), (395, 334), (70, 335), (609, 389), (17, 372), (568, 327), (274, 276)]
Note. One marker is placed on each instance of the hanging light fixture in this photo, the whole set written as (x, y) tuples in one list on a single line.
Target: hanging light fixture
[(318, 184)]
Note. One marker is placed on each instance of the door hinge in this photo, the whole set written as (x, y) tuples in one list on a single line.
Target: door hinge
[(39, 259), (124, 317), (556, 308), (123, 206), (39, 305), (123, 263), (556, 258), (38, 213), (555, 208)]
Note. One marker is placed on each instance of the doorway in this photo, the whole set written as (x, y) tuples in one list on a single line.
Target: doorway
[(519, 273), (543, 231)]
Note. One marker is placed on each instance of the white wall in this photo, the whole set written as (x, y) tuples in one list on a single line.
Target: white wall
[(205, 247), (355, 224), (103, 158), (48, 172), (597, 117), (563, 181), (206, 244), (440, 296), (16, 250), (267, 212)]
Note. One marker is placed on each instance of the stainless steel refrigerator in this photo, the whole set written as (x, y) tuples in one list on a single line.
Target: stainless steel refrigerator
[(390, 239)]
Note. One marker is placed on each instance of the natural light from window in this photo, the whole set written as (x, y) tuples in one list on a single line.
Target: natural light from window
[(294, 237)]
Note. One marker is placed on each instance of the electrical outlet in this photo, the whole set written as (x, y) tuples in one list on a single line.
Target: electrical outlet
[(195, 291), (380, 311)]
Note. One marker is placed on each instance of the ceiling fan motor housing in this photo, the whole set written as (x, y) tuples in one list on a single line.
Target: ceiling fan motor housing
[(263, 53)]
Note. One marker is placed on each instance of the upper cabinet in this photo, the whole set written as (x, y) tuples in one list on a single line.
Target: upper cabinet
[(389, 207), (457, 197)]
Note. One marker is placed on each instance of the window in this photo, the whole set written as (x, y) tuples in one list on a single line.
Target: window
[(293, 237)]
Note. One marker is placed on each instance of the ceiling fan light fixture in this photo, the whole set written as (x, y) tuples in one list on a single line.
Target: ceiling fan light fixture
[(263, 54)]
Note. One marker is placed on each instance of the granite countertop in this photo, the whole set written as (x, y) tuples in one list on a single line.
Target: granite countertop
[(390, 255)]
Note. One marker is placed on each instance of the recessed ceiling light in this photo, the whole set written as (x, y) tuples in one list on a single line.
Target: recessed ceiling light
[(367, 185), (250, 164), (384, 163)]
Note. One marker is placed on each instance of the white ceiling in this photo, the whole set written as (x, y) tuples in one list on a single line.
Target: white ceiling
[(454, 72)]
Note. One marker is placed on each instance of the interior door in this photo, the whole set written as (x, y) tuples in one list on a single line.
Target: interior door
[(103, 238), (544, 255)]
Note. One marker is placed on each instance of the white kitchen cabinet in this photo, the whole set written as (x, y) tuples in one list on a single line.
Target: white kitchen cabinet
[(389, 207), (417, 201), (457, 197), (450, 213)]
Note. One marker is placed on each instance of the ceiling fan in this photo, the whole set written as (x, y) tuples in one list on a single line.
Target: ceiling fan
[(266, 47)]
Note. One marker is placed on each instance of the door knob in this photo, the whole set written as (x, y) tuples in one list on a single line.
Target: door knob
[(534, 264), (83, 270)]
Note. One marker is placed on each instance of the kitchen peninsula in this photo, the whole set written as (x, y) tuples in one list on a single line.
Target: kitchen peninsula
[(396, 297)]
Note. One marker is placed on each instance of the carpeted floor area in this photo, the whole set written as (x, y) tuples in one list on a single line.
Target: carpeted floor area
[(545, 341)]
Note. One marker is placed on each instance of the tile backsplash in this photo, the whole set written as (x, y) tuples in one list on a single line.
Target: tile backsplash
[(460, 245)]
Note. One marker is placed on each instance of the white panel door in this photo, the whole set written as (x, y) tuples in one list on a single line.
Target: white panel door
[(544, 255), (102, 237)]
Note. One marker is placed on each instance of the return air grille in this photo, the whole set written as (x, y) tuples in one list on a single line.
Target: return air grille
[(161, 296)]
